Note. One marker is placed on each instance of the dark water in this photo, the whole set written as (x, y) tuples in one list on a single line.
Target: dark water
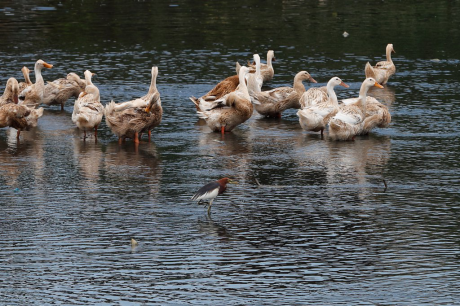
[(321, 228)]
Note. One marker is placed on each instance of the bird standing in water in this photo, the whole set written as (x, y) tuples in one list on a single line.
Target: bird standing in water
[(211, 190)]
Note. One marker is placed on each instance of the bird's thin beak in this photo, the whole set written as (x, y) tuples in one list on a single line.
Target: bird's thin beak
[(344, 85), (378, 85), (312, 80), (232, 181)]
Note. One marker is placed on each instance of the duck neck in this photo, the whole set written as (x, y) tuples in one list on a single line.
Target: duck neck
[(153, 83), (269, 60), (242, 85), (26, 77), (389, 55), (38, 76), (362, 98), (331, 94), (298, 85)]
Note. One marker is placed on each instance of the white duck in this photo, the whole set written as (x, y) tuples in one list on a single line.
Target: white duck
[(316, 117), (32, 96), (267, 70), (350, 119), (373, 107), (27, 82), (383, 70), (88, 110)]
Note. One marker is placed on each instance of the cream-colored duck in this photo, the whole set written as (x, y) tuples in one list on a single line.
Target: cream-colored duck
[(223, 88), (316, 117), (32, 96), (373, 107), (266, 70), (10, 111), (27, 82), (130, 118), (383, 70), (60, 90), (11, 93), (255, 80), (235, 108), (88, 110), (273, 102), (350, 119)]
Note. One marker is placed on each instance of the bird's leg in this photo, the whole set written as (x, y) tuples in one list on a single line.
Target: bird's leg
[(120, 140), (17, 134), (322, 132), (278, 115), (62, 107), (136, 138), (150, 134), (95, 131), (84, 134), (209, 207), (222, 130)]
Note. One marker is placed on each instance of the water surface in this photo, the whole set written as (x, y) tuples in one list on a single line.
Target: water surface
[(320, 229)]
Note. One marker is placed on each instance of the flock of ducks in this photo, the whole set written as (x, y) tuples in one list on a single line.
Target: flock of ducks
[(230, 103)]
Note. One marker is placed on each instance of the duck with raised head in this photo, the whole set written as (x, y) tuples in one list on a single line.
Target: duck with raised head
[(27, 82), (60, 90), (316, 117), (231, 110), (130, 118), (350, 119), (88, 110), (266, 70), (32, 96), (383, 70), (274, 102)]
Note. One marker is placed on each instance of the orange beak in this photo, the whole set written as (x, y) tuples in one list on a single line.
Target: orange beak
[(378, 85), (16, 99), (273, 59), (147, 109), (93, 73), (344, 84), (393, 51), (312, 80), (83, 94), (47, 65)]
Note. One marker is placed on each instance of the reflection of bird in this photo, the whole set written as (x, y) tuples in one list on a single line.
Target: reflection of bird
[(211, 190), (383, 70)]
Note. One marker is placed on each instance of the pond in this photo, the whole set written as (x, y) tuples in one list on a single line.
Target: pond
[(374, 221)]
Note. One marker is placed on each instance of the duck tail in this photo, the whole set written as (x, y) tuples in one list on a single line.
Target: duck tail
[(196, 102), (369, 71), (386, 119), (110, 107), (369, 123)]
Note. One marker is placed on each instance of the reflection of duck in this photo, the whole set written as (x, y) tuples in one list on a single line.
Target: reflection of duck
[(126, 166), (383, 70), (32, 96), (89, 157)]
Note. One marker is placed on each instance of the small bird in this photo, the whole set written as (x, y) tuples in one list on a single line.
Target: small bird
[(211, 190)]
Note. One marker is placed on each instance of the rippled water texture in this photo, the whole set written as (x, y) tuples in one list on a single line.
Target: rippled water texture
[(320, 229)]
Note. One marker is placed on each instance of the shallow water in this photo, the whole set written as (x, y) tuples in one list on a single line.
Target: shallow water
[(320, 229)]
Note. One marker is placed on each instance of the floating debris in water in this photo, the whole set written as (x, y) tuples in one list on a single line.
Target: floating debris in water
[(435, 60), (345, 34), (133, 242)]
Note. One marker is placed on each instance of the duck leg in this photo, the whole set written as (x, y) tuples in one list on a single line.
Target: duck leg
[(84, 134), (95, 131), (136, 137), (150, 134), (222, 130), (17, 134), (120, 140), (62, 107)]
